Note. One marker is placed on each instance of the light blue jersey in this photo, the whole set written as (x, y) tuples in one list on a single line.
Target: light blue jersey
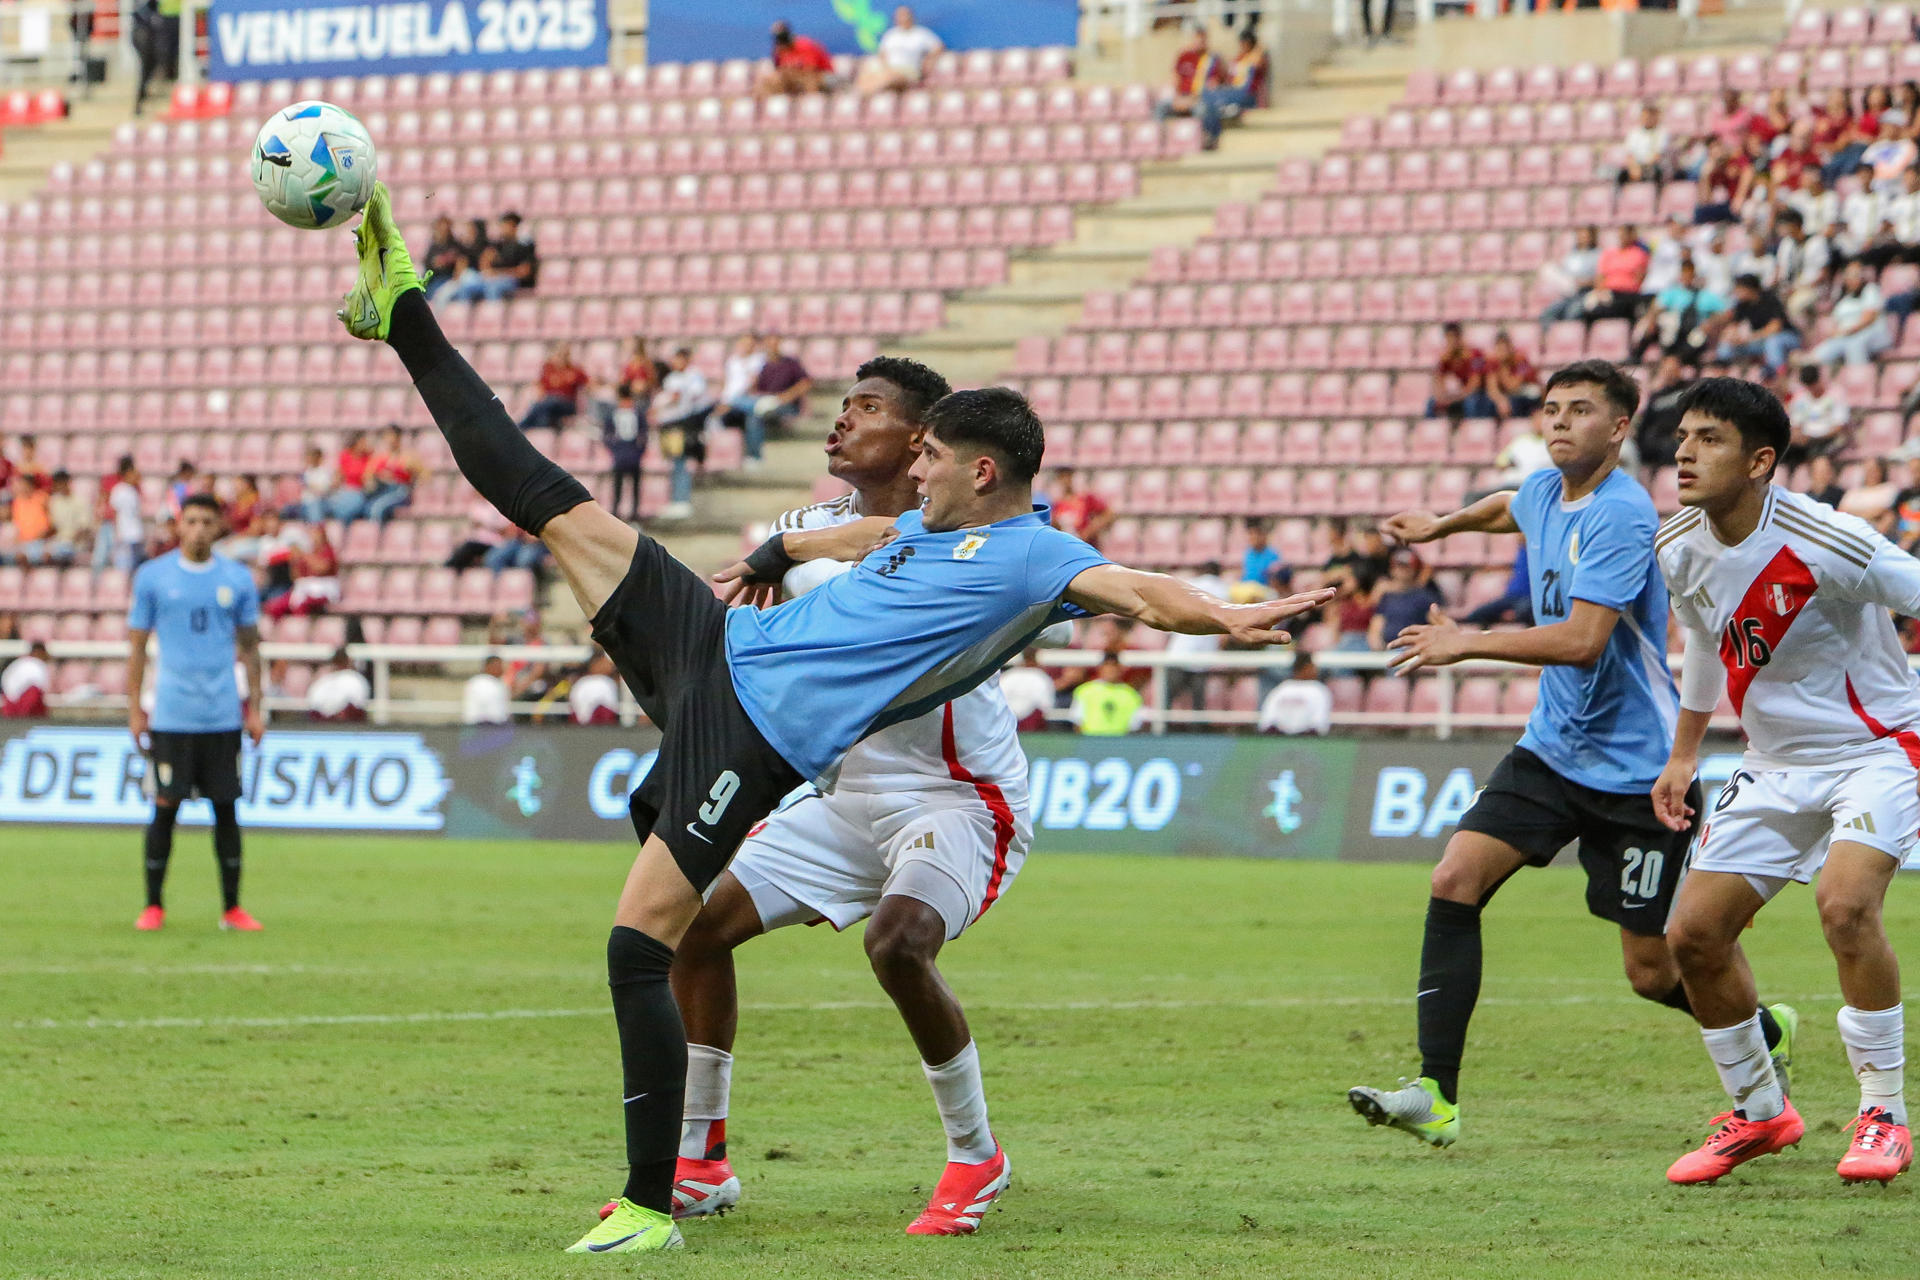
[(917, 623), (1608, 726), (194, 610)]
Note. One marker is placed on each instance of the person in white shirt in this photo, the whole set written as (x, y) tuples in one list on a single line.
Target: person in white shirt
[(1300, 704), (26, 683), (1861, 214), (901, 59), (340, 692), (1903, 211), (1818, 204), (486, 698), (678, 412), (1192, 683), (1799, 266), (122, 540), (1664, 258), (1572, 276), (1786, 606), (1860, 329), (594, 698), (1646, 146), (1820, 415), (1030, 693)]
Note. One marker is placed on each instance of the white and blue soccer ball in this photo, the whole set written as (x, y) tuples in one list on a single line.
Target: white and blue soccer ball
[(313, 165)]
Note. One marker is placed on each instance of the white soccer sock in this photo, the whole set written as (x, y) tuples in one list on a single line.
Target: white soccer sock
[(1739, 1054), (709, 1081), (1876, 1047), (963, 1106)]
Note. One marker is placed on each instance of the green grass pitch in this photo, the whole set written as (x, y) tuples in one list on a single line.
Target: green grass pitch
[(413, 1073)]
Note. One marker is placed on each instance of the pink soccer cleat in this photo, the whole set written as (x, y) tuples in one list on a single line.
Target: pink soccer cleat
[(1881, 1150), (965, 1193), (239, 919), (1734, 1141), (151, 920)]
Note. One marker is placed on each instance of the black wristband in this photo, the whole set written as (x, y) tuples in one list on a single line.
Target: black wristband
[(770, 561)]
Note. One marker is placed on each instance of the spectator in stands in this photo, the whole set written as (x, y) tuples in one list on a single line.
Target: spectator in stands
[(123, 523), (1862, 211), (1363, 557), (738, 373), (1821, 417), (26, 684), (623, 430), (1191, 683), (1513, 384), (486, 699), (446, 256), (593, 697), (1733, 120), (273, 558), (1796, 166), (1673, 320), (1080, 512), (1756, 326), (486, 530), (339, 693), (1889, 156), (1664, 255), (509, 264), (641, 371), (1823, 481), (1406, 598), (1801, 260), (156, 44), (557, 391), (1352, 615), (1860, 328), (1903, 211), (29, 463), (1875, 493), (1385, 33), (1901, 521), (1645, 148), (72, 519), (517, 550), (1617, 280), (314, 570), (1573, 275), (392, 474), (1726, 178), (1515, 604), (1244, 88), (679, 413), (185, 483), (32, 526), (1301, 704), (801, 64), (1264, 572), (780, 393), (1835, 136), (1107, 706), (1195, 69), (1817, 204), (900, 61), (352, 469), (1459, 379), (1656, 434), (1029, 692)]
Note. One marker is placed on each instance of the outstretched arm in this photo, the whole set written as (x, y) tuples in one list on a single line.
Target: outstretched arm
[(1492, 514), (1168, 604), (1577, 642)]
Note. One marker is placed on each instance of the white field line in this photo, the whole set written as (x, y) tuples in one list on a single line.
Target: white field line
[(820, 1006)]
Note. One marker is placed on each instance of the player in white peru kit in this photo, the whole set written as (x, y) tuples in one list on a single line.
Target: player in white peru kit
[(925, 830), (1785, 604)]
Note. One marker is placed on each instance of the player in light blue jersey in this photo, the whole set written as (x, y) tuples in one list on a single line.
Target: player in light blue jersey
[(1594, 746), (203, 610), (750, 705)]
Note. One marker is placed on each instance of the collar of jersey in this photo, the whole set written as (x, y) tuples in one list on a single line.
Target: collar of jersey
[(1041, 514), (203, 567)]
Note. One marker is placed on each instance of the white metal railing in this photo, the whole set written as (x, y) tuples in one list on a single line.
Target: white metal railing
[(388, 708)]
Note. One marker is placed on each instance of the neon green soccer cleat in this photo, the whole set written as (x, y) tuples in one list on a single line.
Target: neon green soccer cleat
[(1415, 1108), (630, 1229), (1782, 1054), (386, 271)]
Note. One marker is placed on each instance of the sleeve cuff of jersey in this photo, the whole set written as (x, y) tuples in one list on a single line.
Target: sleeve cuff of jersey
[(1605, 602)]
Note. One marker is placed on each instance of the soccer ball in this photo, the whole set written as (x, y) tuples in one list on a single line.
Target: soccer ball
[(313, 165)]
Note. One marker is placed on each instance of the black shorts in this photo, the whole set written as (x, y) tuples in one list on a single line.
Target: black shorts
[(1633, 861), (715, 776), (184, 765)]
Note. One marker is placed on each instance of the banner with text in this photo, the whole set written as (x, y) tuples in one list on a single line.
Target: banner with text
[(273, 39), (690, 30), (1370, 800)]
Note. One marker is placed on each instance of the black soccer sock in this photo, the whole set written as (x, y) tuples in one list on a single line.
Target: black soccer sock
[(226, 848), (159, 849), (1768, 1028), (491, 451), (1449, 988), (653, 1063)]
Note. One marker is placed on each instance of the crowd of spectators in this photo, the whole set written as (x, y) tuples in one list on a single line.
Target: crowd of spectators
[(1214, 88), (479, 263), (801, 64)]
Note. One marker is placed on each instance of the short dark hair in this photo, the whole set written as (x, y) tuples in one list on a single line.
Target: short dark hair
[(1451, 326), (1615, 383), (206, 500), (998, 418), (1791, 218), (1747, 280), (1752, 410), (920, 387)]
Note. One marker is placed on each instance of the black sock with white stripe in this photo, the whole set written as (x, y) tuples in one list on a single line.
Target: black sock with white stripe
[(1449, 989), (653, 1063)]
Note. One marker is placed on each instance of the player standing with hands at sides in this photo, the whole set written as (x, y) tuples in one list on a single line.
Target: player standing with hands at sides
[(753, 702), (1785, 606), (1596, 741), (203, 608), (926, 829)]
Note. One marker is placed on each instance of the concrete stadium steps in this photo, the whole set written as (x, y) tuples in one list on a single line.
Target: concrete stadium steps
[(33, 150)]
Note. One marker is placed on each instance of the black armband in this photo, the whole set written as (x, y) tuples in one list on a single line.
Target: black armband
[(770, 561)]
